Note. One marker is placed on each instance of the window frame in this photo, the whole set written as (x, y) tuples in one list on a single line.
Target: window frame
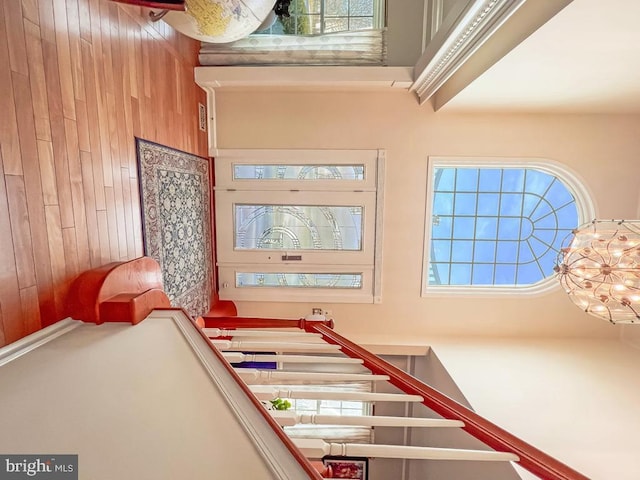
[(585, 207), (367, 192)]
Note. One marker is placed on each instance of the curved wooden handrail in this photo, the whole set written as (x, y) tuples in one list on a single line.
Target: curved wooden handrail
[(531, 458)]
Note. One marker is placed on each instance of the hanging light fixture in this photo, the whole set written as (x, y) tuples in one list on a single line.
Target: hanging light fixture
[(599, 267)]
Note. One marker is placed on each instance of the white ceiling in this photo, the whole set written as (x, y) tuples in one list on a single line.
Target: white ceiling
[(585, 59)]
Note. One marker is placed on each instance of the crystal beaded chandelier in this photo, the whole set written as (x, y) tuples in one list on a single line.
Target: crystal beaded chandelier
[(599, 267)]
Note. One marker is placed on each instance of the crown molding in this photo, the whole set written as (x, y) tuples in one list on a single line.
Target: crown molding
[(460, 35)]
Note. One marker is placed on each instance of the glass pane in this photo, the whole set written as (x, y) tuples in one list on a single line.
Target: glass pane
[(460, 274), (361, 7), (443, 203), (490, 179), (513, 180), (441, 227), (339, 24), (295, 227), (360, 23), (462, 251), (465, 203), (298, 172), (336, 7), (299, 280), (486, 228), (488, 204), (444, 179), (467, 180), (314, 6), (482, 274)]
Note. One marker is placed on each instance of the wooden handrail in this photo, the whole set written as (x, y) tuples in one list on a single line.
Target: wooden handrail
[(532, 459), (255, 322)]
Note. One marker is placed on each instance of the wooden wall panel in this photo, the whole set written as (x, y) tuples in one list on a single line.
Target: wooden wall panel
[(83, 78)]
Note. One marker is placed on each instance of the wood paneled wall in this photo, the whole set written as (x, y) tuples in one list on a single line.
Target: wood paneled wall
[(78, 80)]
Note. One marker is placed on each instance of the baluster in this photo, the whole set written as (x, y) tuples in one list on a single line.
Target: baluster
[(316, 448), (289, 418), (222, 332), (237, 357), (266, 392), (274, 346), (255, 375)]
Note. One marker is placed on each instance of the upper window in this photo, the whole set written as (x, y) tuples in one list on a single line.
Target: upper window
[(498, 225), (315, 17)]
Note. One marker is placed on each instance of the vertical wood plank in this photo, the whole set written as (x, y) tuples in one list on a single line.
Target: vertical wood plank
[(2, 339), (72, 269), (84, 142), (64, 59), (47, 173), (57, 253), (20, 231), (128, 213), (15, 37), (37, 81), (73, 23), (112, 222), (47, 23), (30, 310), (9, 292), (9, 142), (84, 15), (90, 208), (77, 194), (137, 217), (93, 124), (58, 140), (103, 236), (30, 11)]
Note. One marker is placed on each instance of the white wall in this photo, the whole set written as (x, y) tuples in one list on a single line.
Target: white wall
[(131, 402), (574, 399), (604, 150)]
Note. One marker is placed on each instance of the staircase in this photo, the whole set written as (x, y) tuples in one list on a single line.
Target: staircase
[(304, 361)]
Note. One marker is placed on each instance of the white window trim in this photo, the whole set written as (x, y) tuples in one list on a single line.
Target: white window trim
[(352, 262), (576, 185)]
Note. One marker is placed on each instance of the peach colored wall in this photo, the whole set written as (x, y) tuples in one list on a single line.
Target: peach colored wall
[(573, 399), (604, 150)]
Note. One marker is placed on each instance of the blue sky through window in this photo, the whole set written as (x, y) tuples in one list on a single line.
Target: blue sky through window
[(497, 226)]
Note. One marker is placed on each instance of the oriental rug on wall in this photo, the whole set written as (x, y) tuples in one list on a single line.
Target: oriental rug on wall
[(176, 222)]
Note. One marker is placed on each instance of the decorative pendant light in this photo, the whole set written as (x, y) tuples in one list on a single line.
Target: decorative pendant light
[(599, 267)]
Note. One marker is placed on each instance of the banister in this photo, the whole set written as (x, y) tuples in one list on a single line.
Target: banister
[(531, 458), (295, 452), (255, 322)]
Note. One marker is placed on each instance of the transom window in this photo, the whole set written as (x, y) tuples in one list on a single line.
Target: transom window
[(497, 225), (314, 17)]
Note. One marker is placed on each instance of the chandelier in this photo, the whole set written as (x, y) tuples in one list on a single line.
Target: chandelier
[(599, 267)]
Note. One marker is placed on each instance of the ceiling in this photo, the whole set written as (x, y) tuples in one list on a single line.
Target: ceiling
[(586, 59)]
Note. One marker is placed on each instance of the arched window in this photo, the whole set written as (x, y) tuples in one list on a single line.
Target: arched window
[(498, 225)]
